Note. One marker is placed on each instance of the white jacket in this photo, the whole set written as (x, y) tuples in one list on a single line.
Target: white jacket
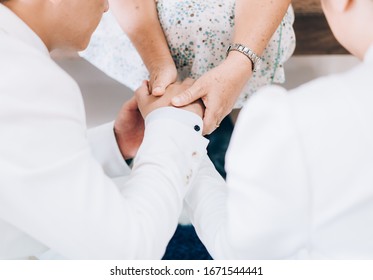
[(300, 175), (55, 187)]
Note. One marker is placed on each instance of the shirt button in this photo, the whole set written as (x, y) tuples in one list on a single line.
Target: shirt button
[(197, 128)]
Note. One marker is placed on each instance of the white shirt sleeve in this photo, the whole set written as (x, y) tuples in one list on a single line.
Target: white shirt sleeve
[(106, 151), (105, 148), (53, 189), (263, 211)]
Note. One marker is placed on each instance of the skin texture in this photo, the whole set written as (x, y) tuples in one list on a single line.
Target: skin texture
[(148, 103), (139, 20), (129, 129)]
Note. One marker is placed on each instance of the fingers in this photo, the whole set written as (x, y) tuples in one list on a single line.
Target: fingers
[(143, 89), (190, 95), (158, 87), (188, 81), (131, 104), (211, 121), (159, 83)]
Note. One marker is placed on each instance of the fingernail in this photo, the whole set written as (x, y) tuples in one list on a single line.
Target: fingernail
[(158, 90), (177, 100)]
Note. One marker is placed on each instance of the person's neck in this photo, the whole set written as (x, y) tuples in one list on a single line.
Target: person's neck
[(365, 43)]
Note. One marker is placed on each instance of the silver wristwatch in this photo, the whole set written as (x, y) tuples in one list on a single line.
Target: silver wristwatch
[(255, 59)]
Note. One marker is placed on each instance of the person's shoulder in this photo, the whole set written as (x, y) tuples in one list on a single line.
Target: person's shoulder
[(333, 99), (268, 99), (25, 65), (268, 105), (16, 53), (334, 86), (11, 48), (30, 74), (319, 97), (322, 88)]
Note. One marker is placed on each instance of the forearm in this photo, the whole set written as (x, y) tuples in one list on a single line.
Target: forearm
[(206, 203), (139, 20), (65, 192), (257, 20), (255, 23)]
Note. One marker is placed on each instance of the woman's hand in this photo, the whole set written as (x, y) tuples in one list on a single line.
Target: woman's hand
[(148, 103), (219, 89), (139, 20), (162, 74)]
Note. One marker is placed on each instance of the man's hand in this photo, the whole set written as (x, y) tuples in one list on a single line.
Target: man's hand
[(129, 129), (148, 103)]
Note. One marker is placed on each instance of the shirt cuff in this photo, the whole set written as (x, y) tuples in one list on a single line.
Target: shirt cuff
[(185, 117), (106, 151)]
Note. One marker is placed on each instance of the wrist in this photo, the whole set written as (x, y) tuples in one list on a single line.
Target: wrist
[(189, 118), (252, 56), (246, 52), (240, 66), (160, 61), (196, 107)]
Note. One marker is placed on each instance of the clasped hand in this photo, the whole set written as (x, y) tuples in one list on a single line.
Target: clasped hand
[(218, 89), (129, 125), (148, 102)]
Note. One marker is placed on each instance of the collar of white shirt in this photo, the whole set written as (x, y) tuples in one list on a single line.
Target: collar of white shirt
[(369, 55), (12, 25)]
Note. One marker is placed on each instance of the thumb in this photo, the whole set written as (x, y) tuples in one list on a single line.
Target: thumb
[(131, 104), (188, 96), (161, 82)]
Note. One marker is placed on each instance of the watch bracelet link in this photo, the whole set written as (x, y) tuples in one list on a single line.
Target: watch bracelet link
[(249, 53)]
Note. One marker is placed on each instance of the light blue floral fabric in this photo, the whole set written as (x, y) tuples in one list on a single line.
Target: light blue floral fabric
[(198, 34)]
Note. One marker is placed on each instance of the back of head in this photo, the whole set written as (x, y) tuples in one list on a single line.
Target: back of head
[(60, 23), (351, 22)]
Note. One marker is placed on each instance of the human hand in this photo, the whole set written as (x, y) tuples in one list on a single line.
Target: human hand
[(148, 103), (219, 89), (129, 129), (162, 73)]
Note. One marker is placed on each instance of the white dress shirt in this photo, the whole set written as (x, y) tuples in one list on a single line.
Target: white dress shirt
[(300, 175), (55, 187)]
